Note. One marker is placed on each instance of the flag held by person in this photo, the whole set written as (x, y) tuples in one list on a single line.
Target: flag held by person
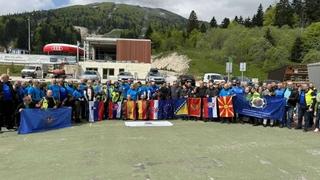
[(153, 109), (226, 107), (115, 110), (209, 107), (165, 109), (194, 107), (142, 106), (181, 107), (130, 110), (38, 120)]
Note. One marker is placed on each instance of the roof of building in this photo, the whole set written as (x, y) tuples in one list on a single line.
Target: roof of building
[(112, 40)]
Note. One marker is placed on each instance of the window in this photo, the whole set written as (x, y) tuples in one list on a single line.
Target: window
[(121, 70), (107, 72), (111, 72), (92, 69)]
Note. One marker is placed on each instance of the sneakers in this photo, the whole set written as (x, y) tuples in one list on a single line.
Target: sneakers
[(316, 130)]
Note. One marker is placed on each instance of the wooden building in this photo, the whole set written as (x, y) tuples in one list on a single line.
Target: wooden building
[(295, 73)]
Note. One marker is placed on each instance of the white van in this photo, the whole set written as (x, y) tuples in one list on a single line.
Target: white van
[(216, 78)]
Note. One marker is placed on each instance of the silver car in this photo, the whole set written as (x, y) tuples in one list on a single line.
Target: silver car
[(91, 75), (125, 76), (156, 77)]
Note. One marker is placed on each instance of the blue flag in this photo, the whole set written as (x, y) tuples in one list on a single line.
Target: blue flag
[(180, 107), (265, 108), (165, 109), (38, 120)]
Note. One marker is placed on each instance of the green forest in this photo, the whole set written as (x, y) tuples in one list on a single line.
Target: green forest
[(284, 33)]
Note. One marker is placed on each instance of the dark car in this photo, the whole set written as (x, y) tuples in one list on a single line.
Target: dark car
[(186, 78)]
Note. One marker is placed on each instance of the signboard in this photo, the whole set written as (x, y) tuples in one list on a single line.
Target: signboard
[(243, 67), (229, 67), (35, 59)]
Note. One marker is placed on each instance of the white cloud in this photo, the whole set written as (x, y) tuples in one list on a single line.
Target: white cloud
[(17, 6)]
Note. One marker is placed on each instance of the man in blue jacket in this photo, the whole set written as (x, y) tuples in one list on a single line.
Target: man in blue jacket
[(7, 101)]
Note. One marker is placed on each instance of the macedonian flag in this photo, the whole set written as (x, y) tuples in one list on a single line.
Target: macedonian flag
[(226, 107)]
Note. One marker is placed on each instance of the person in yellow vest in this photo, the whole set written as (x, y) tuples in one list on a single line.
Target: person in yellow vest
[(48, 101), (310, 100)]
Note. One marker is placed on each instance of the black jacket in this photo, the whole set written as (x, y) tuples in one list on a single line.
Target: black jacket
[(293, 98)]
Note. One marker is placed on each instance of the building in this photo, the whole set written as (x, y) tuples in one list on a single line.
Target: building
[(295, 73), (110, 56), (314, 74)]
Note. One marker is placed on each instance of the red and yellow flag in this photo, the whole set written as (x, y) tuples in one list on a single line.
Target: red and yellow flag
[(142, 109), (226, 107), (130, 110)]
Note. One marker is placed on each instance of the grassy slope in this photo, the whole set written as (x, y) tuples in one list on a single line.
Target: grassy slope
[(188, 150), (201, 63), (15, 70)]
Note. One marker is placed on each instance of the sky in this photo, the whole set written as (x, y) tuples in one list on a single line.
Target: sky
[(205, 9)]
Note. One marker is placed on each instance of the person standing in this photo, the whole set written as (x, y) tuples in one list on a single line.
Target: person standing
[(291, 95), (317, 109), (302, 106), (35, 92), (310, 102), (55, 90), (7, 101)]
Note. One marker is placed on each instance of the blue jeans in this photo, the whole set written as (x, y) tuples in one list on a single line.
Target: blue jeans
[(302, 111), (289, 116)]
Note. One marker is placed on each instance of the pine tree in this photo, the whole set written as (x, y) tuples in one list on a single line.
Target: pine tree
[(297, 51), (149, 32), (284, 14), (193, 22), (225, 23), (268, 36), (241, 21), (312, 8), (213, 23), (236, 19), (247, 22), (299, 10), (259, 16), (203, 28)]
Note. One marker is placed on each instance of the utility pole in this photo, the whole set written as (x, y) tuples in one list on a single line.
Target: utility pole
[(29, 35), (78, 44)]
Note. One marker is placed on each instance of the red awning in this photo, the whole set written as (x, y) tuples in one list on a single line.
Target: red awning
[(62, 48)]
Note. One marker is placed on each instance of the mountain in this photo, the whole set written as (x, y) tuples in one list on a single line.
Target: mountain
[(108, 19)]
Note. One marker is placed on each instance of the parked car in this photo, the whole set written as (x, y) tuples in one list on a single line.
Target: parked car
[(125, 76), (34, 71), (156, 76), (182, 79), (245, 79), (269, 81), (91, 75), (214, 77)]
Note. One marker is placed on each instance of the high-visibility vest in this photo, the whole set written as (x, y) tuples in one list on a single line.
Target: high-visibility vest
[(45, 103), (309, 97)]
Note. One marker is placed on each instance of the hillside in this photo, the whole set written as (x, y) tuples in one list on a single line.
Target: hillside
[(107, 19)]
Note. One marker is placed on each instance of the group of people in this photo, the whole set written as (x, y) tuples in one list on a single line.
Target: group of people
[(302, 101)]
